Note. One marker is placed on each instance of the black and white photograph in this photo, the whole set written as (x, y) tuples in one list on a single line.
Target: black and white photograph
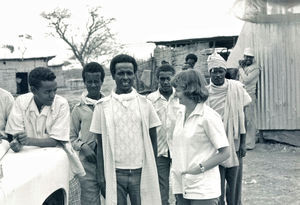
[(161, 102)]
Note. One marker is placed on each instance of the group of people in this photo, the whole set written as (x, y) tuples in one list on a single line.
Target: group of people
[(186, 137)]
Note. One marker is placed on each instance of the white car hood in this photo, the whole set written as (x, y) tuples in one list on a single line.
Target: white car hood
[(32, 174)]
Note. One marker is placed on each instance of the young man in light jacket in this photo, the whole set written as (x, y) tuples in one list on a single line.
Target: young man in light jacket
[(125, 123)]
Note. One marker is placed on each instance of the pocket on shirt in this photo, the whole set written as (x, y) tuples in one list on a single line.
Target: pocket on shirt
[(192, 181)]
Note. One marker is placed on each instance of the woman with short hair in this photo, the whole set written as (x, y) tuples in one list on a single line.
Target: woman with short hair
[(199, 141)]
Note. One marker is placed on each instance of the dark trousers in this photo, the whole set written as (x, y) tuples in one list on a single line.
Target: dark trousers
[(163, 169), (230, 175), (129, 183), (238, 192), (182, 201)]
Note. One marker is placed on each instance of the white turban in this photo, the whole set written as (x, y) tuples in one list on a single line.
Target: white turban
[(215, 61), (248, 52)]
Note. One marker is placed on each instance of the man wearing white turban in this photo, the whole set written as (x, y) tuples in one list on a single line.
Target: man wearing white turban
[(228, 98), (249, 75)]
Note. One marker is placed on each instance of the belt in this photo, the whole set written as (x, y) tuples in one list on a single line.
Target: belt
[(129, 171)]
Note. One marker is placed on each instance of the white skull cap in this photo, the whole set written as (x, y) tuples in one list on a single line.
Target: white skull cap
[(249, 52), (215, 61)]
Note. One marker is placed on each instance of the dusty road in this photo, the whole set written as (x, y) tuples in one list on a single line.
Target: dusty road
[(272, 175)]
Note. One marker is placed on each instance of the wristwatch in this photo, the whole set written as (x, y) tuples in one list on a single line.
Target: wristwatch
[(202, 168)]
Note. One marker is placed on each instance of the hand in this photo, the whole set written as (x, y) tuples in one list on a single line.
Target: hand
[(242, 63), (101, 181), (88, 153), (193, 171), (242, 151), (103, 188), (15, 145), (22, 138)]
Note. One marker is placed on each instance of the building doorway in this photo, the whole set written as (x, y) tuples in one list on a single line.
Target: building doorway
[(22, 82)]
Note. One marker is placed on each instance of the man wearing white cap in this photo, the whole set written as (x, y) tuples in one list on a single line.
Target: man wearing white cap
[(228, 98), (248, 75)]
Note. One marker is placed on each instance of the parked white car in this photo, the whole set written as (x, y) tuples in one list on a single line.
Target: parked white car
[(33, 176)]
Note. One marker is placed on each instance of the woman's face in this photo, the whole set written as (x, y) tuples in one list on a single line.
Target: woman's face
[(183, 99)]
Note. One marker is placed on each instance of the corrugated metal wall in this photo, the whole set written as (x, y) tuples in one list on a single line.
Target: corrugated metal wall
[(277, 51)]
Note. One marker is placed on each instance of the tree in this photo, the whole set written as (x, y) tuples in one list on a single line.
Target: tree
[(96, 39)]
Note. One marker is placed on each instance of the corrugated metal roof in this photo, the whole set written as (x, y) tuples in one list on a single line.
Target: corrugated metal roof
[(30, 58), (193, 40)]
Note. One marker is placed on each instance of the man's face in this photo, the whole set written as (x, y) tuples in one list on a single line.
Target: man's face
[(124, 77), (44, 95), (164, 80), (191, 62), (248, 60), (93, 83), (217, 76)]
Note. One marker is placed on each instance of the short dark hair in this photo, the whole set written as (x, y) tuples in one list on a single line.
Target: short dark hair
[(39, 74), (193, 85), (191, 56), (93, 67), (165, 68), (122, 58)]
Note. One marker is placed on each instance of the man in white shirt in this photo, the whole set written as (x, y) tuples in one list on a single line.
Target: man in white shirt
[(166, 106), (125, 124), (41, 118)]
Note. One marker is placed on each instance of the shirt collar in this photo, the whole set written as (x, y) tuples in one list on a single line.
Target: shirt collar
[(160, 96), (124, 97), (199, 110), (88, 101), (44, 110)]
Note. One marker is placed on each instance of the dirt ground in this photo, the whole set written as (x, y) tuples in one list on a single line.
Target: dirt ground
[(271, 170), (272, 175)]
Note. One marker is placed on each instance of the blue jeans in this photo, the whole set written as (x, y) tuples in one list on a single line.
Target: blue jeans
[(129, 182), (163, 169), (230, 174), (182, 201)]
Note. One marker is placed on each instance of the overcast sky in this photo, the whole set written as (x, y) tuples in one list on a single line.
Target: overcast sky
[(137, 21)]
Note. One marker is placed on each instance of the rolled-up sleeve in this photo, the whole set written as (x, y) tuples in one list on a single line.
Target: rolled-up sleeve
[(60, 129), (215, 131), (15, 122), (154, 120)]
